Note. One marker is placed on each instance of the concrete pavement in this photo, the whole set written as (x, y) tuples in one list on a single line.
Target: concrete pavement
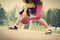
[(23, 34)]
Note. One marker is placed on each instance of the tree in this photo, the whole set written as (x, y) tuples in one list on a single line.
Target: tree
[(2, 15), (53, 17), (12, 15), (58, 18), (48, 16)]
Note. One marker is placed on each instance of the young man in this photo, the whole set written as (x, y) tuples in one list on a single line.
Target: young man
[(34, 13)]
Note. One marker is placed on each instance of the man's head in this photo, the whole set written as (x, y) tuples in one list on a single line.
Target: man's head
[(32, 1), (26, 1)]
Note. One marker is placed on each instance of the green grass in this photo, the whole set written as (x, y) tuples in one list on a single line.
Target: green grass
[(56, 31), (38, 28)]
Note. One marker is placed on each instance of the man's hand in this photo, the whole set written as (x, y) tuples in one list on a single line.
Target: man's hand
[(31, 16)]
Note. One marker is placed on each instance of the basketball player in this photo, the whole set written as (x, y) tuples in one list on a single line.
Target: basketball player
[(34, 13)]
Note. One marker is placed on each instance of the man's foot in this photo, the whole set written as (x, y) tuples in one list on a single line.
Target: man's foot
[(49, 32), (13, 28)]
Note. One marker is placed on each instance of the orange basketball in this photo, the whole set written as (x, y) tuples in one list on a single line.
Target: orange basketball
[(25, 20)]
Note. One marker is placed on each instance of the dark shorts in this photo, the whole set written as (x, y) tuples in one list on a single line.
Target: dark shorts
[(37, 11), (29, 11)]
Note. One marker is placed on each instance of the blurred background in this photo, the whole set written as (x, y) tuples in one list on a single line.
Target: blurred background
[(9, 9)]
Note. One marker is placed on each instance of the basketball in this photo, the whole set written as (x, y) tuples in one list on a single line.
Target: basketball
[(25, 20)]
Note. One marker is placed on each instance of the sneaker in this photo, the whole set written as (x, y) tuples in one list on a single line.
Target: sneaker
[(49, 32), (14, 27)]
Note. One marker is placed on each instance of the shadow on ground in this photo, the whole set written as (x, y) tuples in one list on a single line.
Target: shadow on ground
[(22, 34)]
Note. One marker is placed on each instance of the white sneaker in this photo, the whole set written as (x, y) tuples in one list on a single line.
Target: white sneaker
[(49, 32), (14, 27)]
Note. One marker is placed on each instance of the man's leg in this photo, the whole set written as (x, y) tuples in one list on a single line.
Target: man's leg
[(15, 26), (18, 20), (44, 23)]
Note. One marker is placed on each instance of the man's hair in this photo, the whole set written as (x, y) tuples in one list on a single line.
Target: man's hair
[(27, 1)]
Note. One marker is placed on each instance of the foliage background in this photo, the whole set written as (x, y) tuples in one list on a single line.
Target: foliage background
[(9, 10)]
